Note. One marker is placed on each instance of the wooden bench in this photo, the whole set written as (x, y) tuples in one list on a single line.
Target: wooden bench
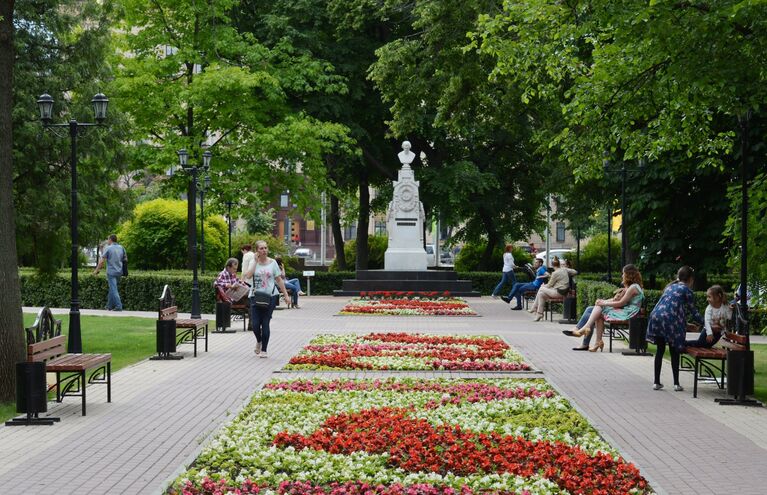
[(187, 330), (45, 343), (548, 305), (708, 363)]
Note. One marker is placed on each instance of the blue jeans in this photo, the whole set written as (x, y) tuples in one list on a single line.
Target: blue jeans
[(295, 285), (506, 278), (519, 289), (582, 322), (113, 298), (260, 318), (701, 340)]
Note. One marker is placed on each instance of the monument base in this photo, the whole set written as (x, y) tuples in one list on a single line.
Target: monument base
[(405, 259), (407, 280)]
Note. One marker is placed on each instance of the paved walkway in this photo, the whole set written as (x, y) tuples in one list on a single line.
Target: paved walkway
[(162, 412)]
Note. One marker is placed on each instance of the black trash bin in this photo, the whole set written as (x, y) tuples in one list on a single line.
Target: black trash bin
[(740, 372), (166, 340), (223, 316), (31, 395)]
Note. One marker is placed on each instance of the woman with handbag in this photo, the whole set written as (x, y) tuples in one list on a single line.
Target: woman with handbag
[(266, 277), (557, 286)]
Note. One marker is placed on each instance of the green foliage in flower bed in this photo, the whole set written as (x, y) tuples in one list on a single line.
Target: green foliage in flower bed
[(252, 448)]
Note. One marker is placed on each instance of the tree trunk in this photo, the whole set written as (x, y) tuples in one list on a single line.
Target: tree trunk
[(11, 321), (338, 237), (492, 241), (363, 221)]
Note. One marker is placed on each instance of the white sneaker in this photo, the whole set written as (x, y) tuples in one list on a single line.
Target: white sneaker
[(257, 350), (263, 354), (657, 386), (678, 388)]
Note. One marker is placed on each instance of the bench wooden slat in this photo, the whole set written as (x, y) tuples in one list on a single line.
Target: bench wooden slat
[(77, 362), (41, 351), (735, 338), (190, 323)]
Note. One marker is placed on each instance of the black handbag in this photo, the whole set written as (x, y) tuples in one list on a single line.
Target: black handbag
[(125, 264), (261, 300)]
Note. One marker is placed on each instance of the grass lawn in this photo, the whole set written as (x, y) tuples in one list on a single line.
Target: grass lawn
[(128, 339)]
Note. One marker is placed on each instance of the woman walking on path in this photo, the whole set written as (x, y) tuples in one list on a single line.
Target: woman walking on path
[(507, 274), (624, 305), (668, 322), (265, 274)]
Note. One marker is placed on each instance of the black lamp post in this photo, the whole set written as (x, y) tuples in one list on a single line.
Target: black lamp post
[(624, 170), (204, 187), (192, 170), (45, 104), (229, 223)]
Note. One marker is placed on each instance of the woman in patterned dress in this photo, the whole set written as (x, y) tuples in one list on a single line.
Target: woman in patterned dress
[(623, 306), (668, 322)]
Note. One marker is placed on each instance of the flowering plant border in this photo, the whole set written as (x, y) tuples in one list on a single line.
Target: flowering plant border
[(392, 303), (407, 436), (408, 351)]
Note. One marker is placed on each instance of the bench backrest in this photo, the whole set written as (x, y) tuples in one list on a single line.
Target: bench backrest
[(44, 339), (734, 341), (168, 313), (45, 327)]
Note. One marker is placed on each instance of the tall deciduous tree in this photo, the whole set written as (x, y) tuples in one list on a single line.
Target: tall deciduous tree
[(61, 49), (663, 81), (343, 35), (11, 323), (480, 169), (188, 76)]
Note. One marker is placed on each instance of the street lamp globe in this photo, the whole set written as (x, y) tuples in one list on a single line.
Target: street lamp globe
[(206, 160), (183, 157), (45, 104), (207, 182), (100, 103)]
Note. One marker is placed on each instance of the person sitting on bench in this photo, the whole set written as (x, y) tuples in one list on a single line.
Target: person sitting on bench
[(714, 320), (557, 287), (228, 281), (519, 288), (625, 304)]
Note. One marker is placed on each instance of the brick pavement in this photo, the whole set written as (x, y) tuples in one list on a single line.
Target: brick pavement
[(163, 412)]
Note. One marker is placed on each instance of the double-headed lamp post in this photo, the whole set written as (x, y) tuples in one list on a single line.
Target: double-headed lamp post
[(45, 105), (192, 170)]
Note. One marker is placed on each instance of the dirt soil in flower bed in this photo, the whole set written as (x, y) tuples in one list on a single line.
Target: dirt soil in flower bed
[(407, 304), (406, 436), (408, 351)]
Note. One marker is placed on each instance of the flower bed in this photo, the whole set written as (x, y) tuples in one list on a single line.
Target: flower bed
[(407, 304), (409, 437), (407, 351)]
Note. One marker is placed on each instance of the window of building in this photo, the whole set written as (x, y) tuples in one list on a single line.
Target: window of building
[(350, 232), (380, 227), (560, 232), (283, 200)]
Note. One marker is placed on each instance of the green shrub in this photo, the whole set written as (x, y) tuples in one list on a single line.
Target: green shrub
[(156, 237), (377, 245), (471, 253), (594, 255)]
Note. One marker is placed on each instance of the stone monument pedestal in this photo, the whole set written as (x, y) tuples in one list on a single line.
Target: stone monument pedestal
[(405, 259), (416, 281)]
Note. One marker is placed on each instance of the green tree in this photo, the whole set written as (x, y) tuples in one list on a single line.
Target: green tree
[(188, 76), (480, 169), (68, 43), (666, 82), (11, 322), (343, 35)]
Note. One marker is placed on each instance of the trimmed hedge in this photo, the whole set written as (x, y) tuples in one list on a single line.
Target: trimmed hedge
[(141, 291)]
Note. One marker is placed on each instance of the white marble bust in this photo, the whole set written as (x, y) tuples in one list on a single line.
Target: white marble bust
[(406, 156)]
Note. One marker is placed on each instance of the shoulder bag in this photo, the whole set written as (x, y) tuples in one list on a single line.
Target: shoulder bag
[(125, 263)]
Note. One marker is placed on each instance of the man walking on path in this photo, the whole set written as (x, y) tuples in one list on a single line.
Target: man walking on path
[(114, 255)]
